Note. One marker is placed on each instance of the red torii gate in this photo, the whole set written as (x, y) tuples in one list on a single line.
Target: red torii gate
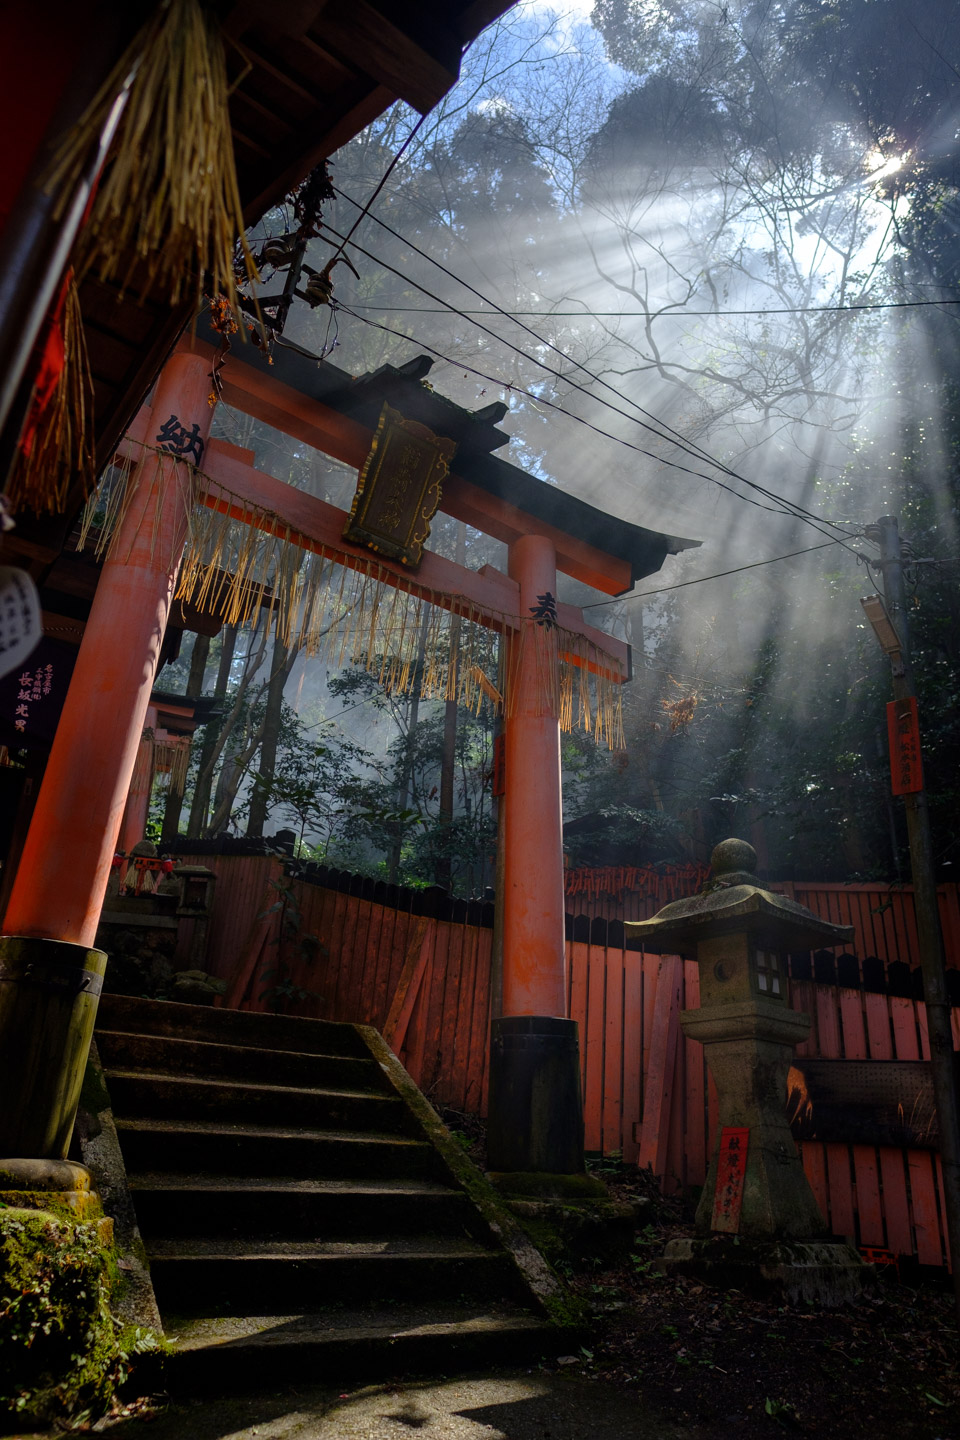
[(59, 888)]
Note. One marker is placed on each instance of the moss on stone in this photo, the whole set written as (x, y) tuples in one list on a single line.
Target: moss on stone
[(569, 1310), (62, 1353), (574, 1236), (538, 1279), (94, 1095), (536, 1185)]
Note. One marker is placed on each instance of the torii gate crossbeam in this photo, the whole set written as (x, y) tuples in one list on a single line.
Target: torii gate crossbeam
[(59, 889)]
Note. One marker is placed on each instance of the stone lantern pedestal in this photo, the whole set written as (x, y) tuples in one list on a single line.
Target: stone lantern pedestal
[(758, 1225)]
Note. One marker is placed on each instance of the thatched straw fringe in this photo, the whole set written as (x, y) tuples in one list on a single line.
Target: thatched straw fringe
[(61, 452), (168, 199), (355, 615), (172, 757), (105, 513)]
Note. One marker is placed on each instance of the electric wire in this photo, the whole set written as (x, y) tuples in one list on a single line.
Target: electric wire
[(364, 210), (669, 312), (671, 436), (581, 420), (690, 447), (700, 579)]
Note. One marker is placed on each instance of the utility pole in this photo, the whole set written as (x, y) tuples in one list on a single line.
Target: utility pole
[(929, 934)]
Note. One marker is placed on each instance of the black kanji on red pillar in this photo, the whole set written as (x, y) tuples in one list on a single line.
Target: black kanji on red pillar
[(176, 439), (545, 610)]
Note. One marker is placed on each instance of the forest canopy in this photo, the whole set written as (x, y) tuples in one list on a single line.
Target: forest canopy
[(709, 256)]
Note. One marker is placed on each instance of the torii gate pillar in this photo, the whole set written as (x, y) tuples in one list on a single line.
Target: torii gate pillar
[(52, 972), (535, 1108)]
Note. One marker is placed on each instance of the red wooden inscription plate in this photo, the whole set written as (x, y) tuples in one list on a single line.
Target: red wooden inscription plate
[(903, 730), (731, 1168)]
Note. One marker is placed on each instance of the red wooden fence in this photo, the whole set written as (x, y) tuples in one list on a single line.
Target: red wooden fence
[(426, 984), (882, 915)]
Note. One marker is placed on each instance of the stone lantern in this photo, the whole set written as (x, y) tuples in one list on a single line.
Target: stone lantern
[(195, 902), (758, 1224)]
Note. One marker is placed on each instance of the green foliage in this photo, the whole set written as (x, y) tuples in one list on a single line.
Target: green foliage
[(734, 172), (62, 1353), (315, 783)]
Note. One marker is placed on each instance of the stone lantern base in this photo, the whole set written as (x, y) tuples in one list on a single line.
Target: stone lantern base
[(821, 1272)]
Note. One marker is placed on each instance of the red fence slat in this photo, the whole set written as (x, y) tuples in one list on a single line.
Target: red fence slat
[(695, 1115), (613, 1051), (658, 1092), (646, 1091), (593, 1090)]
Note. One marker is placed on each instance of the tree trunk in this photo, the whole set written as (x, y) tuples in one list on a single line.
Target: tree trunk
[(409, 755), (170, 829), (229, 781), (201, 795), (260, 795)]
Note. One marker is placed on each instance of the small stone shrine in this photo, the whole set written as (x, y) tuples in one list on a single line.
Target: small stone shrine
[(758, 1225)]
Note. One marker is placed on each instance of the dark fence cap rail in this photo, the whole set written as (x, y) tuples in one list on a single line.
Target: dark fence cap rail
[(845, 970)]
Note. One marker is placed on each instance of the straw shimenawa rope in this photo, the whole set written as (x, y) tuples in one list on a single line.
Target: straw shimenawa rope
[(356, 615), (57, 449), (168, 199)]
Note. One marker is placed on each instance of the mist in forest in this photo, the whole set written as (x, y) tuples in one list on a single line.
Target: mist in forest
[(685, 243)]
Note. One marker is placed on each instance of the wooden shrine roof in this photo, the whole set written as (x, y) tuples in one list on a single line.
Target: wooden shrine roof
[(308, 75)]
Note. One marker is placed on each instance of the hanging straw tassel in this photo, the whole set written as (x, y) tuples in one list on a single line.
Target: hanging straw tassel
[(56, 448), (355, 615), (169, 197)]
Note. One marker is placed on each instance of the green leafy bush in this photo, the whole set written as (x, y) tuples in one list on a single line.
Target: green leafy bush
[(62, 1353)]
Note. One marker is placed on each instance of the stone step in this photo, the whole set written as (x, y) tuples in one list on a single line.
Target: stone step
[(194, 1275), (228, 1027), (125, 1050), (217, 1148), (217, 1353), (282, 1166), (191, 1097), (288, 1207)]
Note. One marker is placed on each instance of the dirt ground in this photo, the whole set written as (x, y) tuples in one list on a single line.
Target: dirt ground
[(887, 1367), (666, 1359)]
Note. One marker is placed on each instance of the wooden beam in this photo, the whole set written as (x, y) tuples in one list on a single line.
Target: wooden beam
[(384, 51), (485, 595), (277, 182), (507, 522), (309, 420)]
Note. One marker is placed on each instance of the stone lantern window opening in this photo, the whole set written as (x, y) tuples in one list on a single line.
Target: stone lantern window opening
[(769, 973)]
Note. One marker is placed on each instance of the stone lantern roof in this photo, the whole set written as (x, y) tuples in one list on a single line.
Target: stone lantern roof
[(731, 902)]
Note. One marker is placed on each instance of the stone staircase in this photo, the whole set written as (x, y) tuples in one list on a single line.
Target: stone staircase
[(303, 1209)]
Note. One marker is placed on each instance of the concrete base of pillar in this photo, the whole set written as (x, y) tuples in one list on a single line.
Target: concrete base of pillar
[(536, 1185), (826, 1273), (49, 991), (50, 1185), (535, 1121), (576, 1231)]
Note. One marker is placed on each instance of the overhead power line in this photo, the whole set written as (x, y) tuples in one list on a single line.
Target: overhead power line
[(700, 579), (581, 420), (364, 209), (663, 431), (670, 312)]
